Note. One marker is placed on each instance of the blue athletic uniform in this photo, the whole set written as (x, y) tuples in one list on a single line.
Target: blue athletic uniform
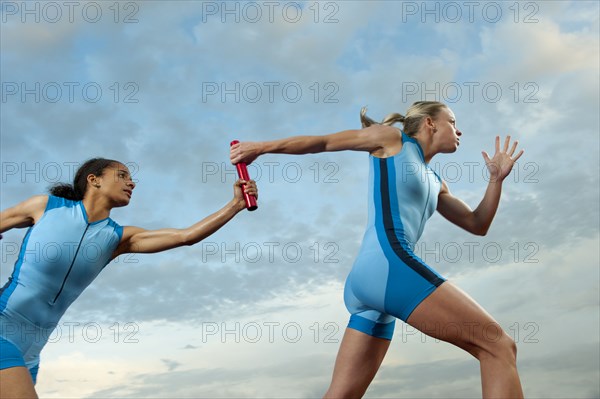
[(388, 280), (60, 256)]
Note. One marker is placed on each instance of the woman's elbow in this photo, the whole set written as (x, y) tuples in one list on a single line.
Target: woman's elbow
[(480, 230), (189, 238), (184, 238)]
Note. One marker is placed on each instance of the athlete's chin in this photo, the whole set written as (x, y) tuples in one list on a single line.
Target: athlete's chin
[(450, 149), (121, 203)]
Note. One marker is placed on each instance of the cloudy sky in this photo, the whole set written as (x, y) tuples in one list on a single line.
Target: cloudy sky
[(256, 310)]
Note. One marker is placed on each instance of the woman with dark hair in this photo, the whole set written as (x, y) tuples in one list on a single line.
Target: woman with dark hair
[(41, 289), (388, 280)]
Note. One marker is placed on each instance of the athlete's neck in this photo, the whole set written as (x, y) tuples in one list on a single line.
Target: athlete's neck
[(96, 208), (426, 143)]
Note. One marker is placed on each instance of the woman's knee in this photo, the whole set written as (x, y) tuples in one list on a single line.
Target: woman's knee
[(501, 347)]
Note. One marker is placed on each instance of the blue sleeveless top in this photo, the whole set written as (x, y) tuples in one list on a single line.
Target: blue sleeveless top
[(60, 256), (407, 189)]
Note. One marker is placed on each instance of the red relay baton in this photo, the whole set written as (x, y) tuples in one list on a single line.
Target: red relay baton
[(242, 171)]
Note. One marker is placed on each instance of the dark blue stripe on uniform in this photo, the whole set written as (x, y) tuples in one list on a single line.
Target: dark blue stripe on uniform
[(11, 285), (390, 229)]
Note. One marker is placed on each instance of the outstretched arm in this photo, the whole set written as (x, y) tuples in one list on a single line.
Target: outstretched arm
[(138, 240), (371, 139), (479, 221), (24, 214)]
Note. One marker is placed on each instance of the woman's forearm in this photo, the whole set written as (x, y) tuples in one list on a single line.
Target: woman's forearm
[(294, 145), (211, 223), (486, 210)]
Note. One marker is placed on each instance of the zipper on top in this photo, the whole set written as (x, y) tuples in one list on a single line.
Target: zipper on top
[(71, 266)]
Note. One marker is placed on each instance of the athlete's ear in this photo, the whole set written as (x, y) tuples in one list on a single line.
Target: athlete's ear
[(429, 123), (93, 180)]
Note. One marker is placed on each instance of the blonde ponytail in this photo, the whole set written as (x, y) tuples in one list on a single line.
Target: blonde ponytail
[(389, 120), (412, 121)]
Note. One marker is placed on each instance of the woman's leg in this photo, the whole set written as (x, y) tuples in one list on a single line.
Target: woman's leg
[(357, 362), (451, 315), (16, 383)]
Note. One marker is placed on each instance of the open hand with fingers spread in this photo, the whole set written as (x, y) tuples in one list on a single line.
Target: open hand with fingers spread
[(502, 162)]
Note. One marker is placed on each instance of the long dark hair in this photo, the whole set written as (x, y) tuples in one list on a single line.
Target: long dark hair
[(76, 191)]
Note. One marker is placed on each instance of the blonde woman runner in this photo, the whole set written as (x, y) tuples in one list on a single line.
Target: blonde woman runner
[(388, 280)]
